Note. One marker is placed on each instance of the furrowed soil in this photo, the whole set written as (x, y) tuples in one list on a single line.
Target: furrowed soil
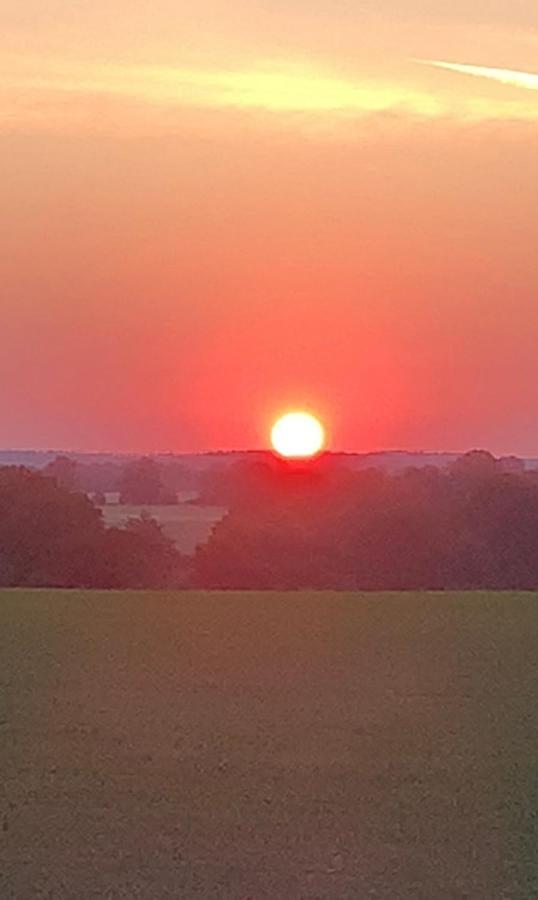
[(268, 746)]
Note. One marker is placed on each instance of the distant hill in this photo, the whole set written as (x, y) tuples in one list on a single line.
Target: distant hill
[(388, 460)]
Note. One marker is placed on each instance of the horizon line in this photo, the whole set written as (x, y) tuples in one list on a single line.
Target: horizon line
[(222, 452)]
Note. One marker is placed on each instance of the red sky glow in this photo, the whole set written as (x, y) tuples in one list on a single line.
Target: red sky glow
[(216, 211)]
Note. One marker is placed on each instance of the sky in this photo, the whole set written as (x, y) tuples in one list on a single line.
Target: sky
[(214, 212)]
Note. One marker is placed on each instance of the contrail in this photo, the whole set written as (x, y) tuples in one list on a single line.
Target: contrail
[(512, 77)]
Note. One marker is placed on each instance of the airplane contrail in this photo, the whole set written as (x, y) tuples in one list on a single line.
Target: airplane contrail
[(512, 77)]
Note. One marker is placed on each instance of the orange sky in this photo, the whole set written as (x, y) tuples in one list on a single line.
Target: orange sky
[(215, 211)]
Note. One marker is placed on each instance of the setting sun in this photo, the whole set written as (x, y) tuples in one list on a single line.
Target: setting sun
[(298, 435)]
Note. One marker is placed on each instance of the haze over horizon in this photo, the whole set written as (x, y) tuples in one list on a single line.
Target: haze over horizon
[(217, 213)]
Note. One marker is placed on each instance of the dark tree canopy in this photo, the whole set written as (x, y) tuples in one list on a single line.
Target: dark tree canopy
[(141, 484), (50, 536), (474, 525), (64, 470)]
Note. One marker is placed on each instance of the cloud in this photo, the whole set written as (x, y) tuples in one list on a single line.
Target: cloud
[(275, 86), (59, 94), (527, 80)]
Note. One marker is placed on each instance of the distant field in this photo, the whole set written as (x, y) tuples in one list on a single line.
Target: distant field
[(268, 746), (187, 524)]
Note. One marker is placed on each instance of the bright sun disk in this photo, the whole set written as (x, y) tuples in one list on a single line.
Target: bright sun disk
[(298, 435)]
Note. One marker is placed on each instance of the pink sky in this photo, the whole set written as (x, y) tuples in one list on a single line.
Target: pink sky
[(216, 211)]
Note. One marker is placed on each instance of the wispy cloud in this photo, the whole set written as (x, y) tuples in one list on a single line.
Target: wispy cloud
[(273, 86), (513, 77), (56, 94)]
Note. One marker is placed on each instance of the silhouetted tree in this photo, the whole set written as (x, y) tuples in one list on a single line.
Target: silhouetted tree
[(64, 470), (48, 535), (141, 483), (141, 556), (52, 537), (475, 464), (95, 477), (511, 465), (472, 526)]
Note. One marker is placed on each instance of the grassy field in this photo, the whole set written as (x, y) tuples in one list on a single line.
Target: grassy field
[(188, 525), (268, 746)]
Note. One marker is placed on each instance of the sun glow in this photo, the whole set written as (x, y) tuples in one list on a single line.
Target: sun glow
[(298, 435)]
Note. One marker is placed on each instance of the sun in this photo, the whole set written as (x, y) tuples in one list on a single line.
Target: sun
[(298, 435)]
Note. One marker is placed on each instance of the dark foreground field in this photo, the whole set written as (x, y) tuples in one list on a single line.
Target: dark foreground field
[(281, 746)]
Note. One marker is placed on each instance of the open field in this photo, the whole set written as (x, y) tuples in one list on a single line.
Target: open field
[(187, 524), (268, 746)]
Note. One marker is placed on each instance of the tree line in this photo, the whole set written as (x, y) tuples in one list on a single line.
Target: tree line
[(471, 525), (52, 536), (138, 482)]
